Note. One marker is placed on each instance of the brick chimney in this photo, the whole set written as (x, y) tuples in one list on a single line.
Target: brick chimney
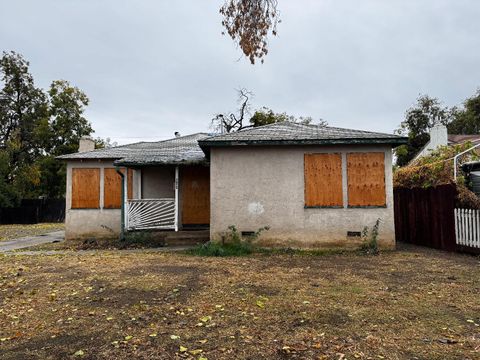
[(86, 144)]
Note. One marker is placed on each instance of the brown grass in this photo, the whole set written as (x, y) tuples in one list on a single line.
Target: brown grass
[(409, 304)]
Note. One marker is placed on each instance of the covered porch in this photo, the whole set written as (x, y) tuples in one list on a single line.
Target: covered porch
[(167, 197)]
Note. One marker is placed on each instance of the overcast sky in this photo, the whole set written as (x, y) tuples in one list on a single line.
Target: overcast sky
[(152, 67)]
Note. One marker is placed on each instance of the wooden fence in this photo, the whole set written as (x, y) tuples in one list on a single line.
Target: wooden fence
[(34, 211), (426, 216)]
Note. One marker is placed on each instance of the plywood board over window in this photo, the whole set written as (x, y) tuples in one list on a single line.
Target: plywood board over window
[(323, 180), (85, 188), (112, 187), (366, 179)]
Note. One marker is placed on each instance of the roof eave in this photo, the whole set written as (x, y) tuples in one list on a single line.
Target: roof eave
[(158, 163), (205, 144), (69, 158)]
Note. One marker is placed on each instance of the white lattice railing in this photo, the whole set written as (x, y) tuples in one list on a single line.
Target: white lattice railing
[(467, 227), (150, 214)]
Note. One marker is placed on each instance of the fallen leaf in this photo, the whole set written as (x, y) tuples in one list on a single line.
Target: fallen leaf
[(205, 319), (183, 348), (79, 353), (260, 304)]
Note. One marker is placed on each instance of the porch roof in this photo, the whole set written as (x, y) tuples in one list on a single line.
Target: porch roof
[(289, 133), (179, 150)]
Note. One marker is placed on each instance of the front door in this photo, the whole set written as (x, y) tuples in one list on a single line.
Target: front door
[(195, 195)]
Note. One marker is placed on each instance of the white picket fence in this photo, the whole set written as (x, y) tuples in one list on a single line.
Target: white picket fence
[(467, 227)]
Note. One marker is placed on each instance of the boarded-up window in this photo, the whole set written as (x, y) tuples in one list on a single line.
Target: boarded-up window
[(112, 188), (85, 188), (323, 180), (366, 179)]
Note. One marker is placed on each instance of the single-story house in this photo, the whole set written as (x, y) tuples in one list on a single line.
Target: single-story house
[(312, 185)]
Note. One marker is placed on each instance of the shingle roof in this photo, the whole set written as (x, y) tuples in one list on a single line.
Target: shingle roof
[(191, 148), (183, 149), (454, 139), (288, 133)]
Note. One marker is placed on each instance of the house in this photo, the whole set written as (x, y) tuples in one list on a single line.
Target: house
[(439, 136), (312, 185)]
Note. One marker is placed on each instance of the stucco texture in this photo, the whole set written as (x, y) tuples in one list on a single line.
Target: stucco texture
[(148, 183), (253, 187)]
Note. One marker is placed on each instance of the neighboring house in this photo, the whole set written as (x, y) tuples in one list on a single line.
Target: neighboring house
[(312, 185), (439, 136)]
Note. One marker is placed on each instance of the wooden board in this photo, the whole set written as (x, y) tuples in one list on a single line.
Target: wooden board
[(85, 188), (366, 179), (129, 183), (112, 187), (323, 180), (195, 192)]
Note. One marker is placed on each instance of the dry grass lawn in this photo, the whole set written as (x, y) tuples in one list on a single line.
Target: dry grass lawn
[(409, 304), (15, 231)]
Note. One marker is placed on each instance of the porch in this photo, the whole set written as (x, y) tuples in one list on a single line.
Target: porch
[(167, 198)]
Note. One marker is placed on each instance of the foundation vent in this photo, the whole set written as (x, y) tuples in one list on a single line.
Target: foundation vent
[(354, 234)]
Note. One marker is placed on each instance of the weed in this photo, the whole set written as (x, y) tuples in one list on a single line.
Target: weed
[(370, 239), (138, 239), (232, 244)]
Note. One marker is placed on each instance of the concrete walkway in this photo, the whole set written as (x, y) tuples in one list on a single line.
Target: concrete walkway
[(28, 241)]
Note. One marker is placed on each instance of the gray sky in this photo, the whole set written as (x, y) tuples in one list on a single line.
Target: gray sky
[(152, 67)]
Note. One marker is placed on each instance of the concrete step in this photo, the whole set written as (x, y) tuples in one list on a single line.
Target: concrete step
[(192, 237)]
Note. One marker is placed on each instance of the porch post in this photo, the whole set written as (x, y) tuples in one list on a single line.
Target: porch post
[(122, 218), (125, 197), (176, 198)]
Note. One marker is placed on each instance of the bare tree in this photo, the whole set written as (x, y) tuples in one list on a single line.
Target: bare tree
[(249, 22), (230, 122)]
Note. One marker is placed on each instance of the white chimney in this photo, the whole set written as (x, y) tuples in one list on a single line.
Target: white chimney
[(438, 136), (86, 144)]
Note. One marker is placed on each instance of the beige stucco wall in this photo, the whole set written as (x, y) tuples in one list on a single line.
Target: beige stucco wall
[(85, 223), (148, 183), (158, 182), (252, 187)]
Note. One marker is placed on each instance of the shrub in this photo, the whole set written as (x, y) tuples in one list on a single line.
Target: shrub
[(437, 169)]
